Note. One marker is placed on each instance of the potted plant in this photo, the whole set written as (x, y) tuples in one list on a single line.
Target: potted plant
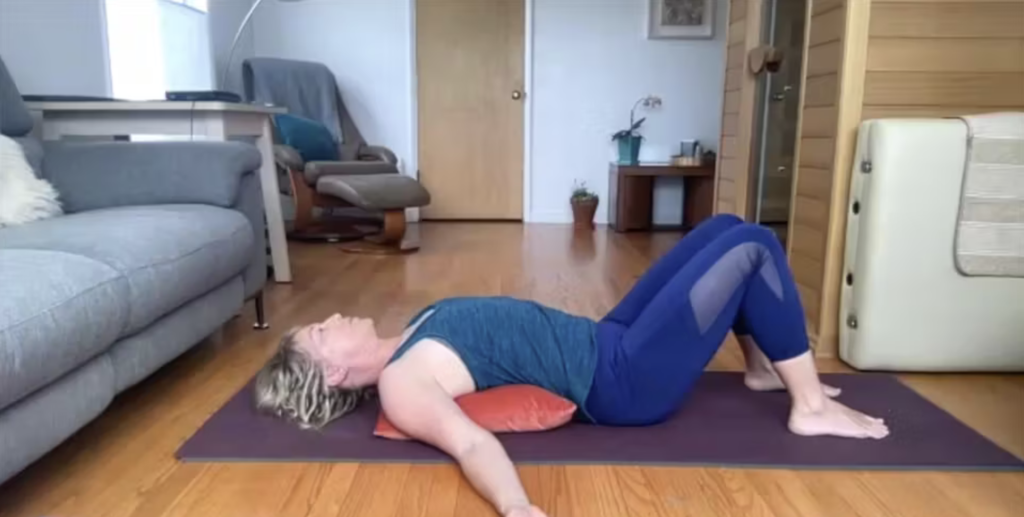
[(629, 139), (584, 206)]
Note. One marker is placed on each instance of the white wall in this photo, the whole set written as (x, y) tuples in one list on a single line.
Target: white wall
[(592, 61), (55, 47), (186, 48), (224, 18), (367, 46)]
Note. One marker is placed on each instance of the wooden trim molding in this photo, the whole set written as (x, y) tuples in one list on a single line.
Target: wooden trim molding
[(851, 97)]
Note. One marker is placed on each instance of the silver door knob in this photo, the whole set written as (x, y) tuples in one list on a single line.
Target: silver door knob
[(516, 95)]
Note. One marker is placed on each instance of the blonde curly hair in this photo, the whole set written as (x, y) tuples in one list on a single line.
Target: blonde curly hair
[(292, 386)]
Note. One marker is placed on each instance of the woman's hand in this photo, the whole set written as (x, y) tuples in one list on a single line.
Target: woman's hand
[(525, 511)]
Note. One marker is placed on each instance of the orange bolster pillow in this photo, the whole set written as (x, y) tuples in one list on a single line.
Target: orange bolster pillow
[(505, 409)]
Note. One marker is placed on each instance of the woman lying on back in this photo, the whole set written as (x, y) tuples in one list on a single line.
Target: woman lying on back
[(634, 367)]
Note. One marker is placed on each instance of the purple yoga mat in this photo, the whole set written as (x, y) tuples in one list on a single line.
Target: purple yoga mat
[(722, 424)]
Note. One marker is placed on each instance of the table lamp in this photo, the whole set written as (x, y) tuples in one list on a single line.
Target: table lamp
[(221, 95)]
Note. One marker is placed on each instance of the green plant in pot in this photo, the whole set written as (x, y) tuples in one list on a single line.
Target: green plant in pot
[(584, 205), (629, 139)]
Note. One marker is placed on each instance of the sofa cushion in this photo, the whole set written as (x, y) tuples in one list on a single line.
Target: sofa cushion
[(169, 254), (40, 421), (57, 311)]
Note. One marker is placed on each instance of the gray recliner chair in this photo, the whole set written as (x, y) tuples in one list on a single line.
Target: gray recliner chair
[(366, 176)]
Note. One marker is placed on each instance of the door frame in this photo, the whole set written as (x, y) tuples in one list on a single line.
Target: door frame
[(413, 168)]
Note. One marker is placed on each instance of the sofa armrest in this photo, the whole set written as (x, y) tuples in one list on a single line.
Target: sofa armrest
[(378, 152), (100, 175)]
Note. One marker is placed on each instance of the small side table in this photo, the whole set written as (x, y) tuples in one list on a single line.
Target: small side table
[(631, 194), (211, 120)]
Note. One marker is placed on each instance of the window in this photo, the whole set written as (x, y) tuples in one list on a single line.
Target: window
[(199, 5)]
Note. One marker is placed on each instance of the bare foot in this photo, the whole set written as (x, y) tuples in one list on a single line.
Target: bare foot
[(835, 419), (765, 379)]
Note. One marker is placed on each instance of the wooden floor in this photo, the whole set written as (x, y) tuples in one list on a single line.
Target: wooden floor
[(122, 464)]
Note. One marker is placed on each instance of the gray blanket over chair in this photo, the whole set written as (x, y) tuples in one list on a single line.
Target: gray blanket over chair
[(990, 226), (306, 89)]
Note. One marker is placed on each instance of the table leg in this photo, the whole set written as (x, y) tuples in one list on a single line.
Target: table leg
[(635, 203), (698, 200), (272, 206)]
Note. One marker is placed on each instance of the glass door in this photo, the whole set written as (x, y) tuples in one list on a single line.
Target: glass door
[(778, 109)]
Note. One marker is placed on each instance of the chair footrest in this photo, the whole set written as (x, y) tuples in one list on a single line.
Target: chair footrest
[(375, 191)]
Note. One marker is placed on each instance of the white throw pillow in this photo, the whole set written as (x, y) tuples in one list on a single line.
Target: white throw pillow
[(23, 197)]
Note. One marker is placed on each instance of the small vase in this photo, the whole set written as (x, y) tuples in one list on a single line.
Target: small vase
[(629, 150), (583, 211)]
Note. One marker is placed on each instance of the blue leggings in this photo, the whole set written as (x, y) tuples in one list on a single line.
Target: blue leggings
[(724, 275)]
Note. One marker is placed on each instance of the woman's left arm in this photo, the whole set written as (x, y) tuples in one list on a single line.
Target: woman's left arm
[(422, 409)]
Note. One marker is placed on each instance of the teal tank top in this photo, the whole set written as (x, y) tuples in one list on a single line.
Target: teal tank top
[(508, 341)]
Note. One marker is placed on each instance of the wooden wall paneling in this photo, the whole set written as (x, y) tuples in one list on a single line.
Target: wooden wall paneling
[(874, 112), (735, 56), (817, 152), (730, 124), (743, 34), (800, 129), (738, 10), (808, 241), (733, 79), (727, 189), (730, 147), (943, 89), (812, 213), (819, 122), (851, 101), (824, 6), (812, 300), (826, 27), (824, 59), (737, 31), (815, 183), (822, 90), (729, 168), (945, 55), (806, 270), (947, 1), (947, 20), (732, 102), (748, 105)]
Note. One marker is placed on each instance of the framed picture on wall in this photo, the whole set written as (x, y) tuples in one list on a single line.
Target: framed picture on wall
[(680, 19)]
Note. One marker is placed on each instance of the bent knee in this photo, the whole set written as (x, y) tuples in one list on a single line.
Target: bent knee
[(725, 220), (752, 232)]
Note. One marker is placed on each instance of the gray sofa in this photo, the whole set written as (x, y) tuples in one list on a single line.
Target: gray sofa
[(160, 245)]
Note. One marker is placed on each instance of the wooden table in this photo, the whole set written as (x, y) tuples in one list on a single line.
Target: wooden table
[(206, 120), (631, 194)]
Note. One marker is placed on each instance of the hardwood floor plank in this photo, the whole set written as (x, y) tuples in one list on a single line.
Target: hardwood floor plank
[(375, 491), (682, 492), (548, 487), (321, 491), (637, 495), (593, 491), (232, 490), (784, 493), (123, 465), (444, 491)]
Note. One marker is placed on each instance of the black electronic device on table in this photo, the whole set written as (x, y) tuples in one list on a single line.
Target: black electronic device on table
[(204, 96)]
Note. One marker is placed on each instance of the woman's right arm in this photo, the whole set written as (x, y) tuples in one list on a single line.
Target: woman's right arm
[(423, 410)]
